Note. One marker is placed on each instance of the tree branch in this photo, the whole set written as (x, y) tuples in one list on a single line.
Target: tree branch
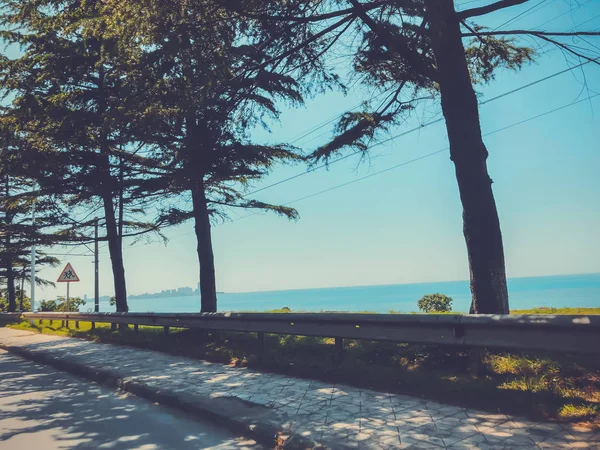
[(468, 27), (313, 18), (305, 43), (570, 50), (412, 57), (501, 4), (325, 50)]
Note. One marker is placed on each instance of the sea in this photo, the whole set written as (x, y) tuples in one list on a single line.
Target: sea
[(524, 293)]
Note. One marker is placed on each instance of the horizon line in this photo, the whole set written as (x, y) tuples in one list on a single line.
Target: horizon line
[(369, 285)]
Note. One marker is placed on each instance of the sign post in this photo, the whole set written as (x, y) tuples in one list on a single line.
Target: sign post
[(68, 276)]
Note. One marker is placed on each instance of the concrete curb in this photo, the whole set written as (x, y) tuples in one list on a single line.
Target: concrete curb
[(217, 410)]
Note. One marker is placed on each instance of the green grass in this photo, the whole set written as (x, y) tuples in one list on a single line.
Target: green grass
[(539, 310), (570, 411), (540, 385), (547, 310)]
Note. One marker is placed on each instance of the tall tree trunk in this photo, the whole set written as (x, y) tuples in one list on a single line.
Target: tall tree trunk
[(196, 163), (481, 226), (115, 247), (116, 253), (10, 278), (121, 201), (22, 290), (208, 285)]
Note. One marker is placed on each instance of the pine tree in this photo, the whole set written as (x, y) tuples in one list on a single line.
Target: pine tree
[(71, 101), (19, 230), (410, 50), (206, 87)]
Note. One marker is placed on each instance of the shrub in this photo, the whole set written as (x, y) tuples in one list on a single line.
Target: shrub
[(435, 303), (4, 303), (61, 304)]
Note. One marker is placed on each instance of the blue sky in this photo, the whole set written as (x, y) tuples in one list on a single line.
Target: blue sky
[(405, 225)]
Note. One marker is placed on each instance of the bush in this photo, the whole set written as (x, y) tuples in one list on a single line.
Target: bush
[(435, 303), (4, 304), (60, 304)]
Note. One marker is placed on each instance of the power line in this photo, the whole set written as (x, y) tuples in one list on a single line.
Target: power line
[(468, 2), (427, 155), (546, 44), (512, 91), (333, 118), (538, 81), (579, 6), (405, 163), (70, 251), (521, 14), (412, 130), (320, 125), (587, 21)]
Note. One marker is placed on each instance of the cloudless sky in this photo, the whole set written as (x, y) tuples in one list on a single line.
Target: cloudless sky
[(405, 225)]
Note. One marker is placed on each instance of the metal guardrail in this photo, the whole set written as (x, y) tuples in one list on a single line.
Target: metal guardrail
[(10, 317), (563, 333)]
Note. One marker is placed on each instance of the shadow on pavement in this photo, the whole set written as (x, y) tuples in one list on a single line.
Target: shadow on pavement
[(43, 408)]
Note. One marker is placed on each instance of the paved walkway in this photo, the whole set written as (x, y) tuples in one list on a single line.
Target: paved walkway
[(335, 416)]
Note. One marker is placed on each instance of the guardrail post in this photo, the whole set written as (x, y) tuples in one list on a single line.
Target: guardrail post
[(77, 324), (339, 349), (67, 323), (166, 330), (476, 362), (50, 322), (136, 327), (93, 325), (113, 327), (261, 345)]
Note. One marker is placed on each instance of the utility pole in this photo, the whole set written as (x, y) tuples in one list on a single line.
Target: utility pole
[(96, 273), (22, 293), (32, 299), (33, 278)]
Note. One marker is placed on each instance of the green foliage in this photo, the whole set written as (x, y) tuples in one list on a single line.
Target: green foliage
[(206, 85), (435, 303), (390, 48), (4, 306), (18, 231), (74, 97), (206, 89), (60, 304), (487, 54), (285, 309)]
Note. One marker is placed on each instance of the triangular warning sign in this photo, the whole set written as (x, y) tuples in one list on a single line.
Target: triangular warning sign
[(68, 274)]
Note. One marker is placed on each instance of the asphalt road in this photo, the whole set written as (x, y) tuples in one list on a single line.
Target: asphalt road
[(43, 409)]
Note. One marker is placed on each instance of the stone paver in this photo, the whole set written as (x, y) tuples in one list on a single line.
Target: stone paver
[(336, 416)]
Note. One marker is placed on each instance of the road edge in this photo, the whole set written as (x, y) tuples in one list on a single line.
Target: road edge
[(264, 433)]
